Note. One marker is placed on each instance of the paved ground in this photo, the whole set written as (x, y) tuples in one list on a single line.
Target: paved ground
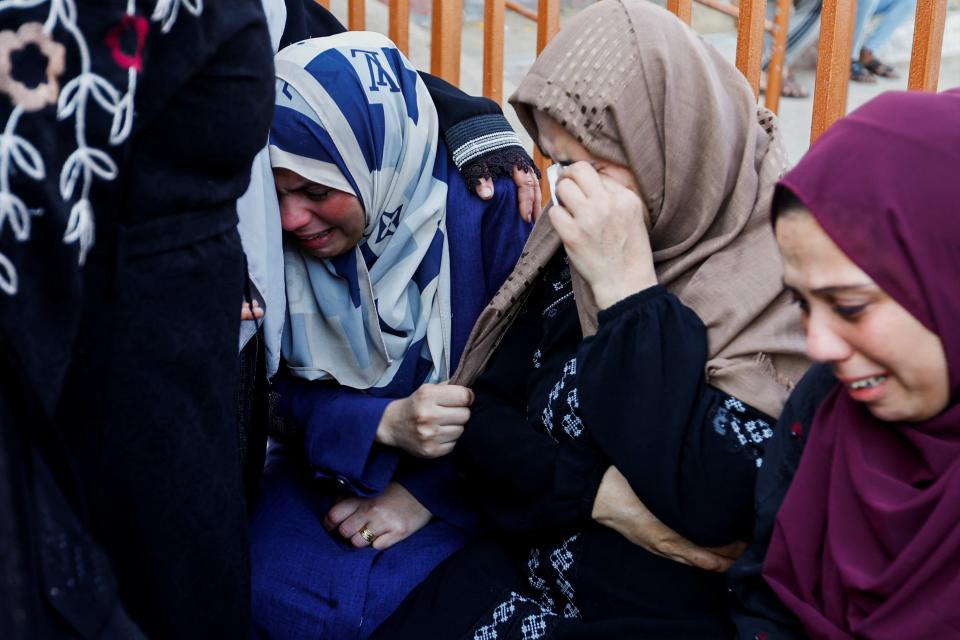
[(719, 30)]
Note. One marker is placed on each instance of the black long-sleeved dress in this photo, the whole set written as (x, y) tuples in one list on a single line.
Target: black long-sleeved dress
[(553, 411), (119, 456)]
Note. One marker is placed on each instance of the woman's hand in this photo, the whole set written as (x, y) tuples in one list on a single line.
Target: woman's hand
[(248, 312), (390, 517), (529, 198), (603, 227), (428, 422), (618, 507)]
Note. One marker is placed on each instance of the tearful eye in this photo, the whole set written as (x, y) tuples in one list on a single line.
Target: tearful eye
[(849, 312)]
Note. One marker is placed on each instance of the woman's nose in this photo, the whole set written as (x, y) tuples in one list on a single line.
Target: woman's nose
[(293, 215), (824, 343)]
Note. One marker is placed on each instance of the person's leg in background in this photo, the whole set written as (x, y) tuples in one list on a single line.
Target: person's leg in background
[(802, 30), (892, 14), (866, 9)]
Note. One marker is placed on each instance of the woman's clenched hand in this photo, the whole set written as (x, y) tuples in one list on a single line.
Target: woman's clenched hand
[(428, 422)]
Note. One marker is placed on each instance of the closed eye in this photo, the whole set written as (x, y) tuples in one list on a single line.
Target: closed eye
[(849, 312)]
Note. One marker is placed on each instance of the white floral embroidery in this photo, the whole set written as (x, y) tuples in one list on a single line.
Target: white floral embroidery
[(87, 91), (166, 12)]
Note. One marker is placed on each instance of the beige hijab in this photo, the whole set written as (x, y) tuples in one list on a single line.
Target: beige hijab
[(637, 86)]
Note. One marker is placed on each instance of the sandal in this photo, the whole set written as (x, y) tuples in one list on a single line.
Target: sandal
[(859, 73), (874, 66), (790, 88)]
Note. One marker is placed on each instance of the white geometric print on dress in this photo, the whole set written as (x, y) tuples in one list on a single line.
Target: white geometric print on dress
[(562, 561), (569, 370), (534, 625), (748, 435)]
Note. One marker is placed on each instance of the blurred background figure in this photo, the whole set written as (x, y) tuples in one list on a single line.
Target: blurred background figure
[(875, 23)]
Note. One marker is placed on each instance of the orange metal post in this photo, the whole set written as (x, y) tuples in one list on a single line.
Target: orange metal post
[(493, 35), (445, 40), (548, 22), (357, 15), (682, 8), (777, 54), (927, 45), (521, 10), (399, 25), (750, 40), (833, 64)]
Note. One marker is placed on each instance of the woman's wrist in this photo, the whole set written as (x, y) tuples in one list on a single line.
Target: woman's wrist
[(384, 433), (609, 291)]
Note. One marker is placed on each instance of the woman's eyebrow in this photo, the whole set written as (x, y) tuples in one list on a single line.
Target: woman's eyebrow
[(297, 187), (842, 288)]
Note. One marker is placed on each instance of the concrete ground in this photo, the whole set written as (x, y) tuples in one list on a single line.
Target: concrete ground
[(520, 39)]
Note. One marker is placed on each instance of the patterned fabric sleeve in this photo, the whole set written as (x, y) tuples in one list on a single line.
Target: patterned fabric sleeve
[(485, 146)]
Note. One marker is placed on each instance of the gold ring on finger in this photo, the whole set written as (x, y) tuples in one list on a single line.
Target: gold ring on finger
[(367, 535)]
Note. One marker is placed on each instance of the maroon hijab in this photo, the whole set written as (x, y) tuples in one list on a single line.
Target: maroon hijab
[(867, 542)]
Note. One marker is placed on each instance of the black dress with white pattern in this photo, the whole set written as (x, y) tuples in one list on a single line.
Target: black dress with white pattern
[(553, 411)]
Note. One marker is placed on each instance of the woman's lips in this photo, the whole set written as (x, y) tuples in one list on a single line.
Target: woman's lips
[(866, 388), (316, 240)]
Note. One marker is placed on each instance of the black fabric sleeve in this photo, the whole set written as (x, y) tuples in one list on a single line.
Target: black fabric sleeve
[(756, 610), (688, 450), (307, 19), (481, 142), (522, 480)]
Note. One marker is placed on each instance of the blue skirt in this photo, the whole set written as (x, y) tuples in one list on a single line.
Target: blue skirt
[(308, 582)]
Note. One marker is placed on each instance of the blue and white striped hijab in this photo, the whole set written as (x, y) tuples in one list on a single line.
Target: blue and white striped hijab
[(352, 114)]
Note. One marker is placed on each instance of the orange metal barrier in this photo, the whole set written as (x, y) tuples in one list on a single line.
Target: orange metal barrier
[(833, 65), (777, 55), (682, 8), (445, 39), (927, 45), (357, 15), (493, 29), (399, 28), (750, 41)]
